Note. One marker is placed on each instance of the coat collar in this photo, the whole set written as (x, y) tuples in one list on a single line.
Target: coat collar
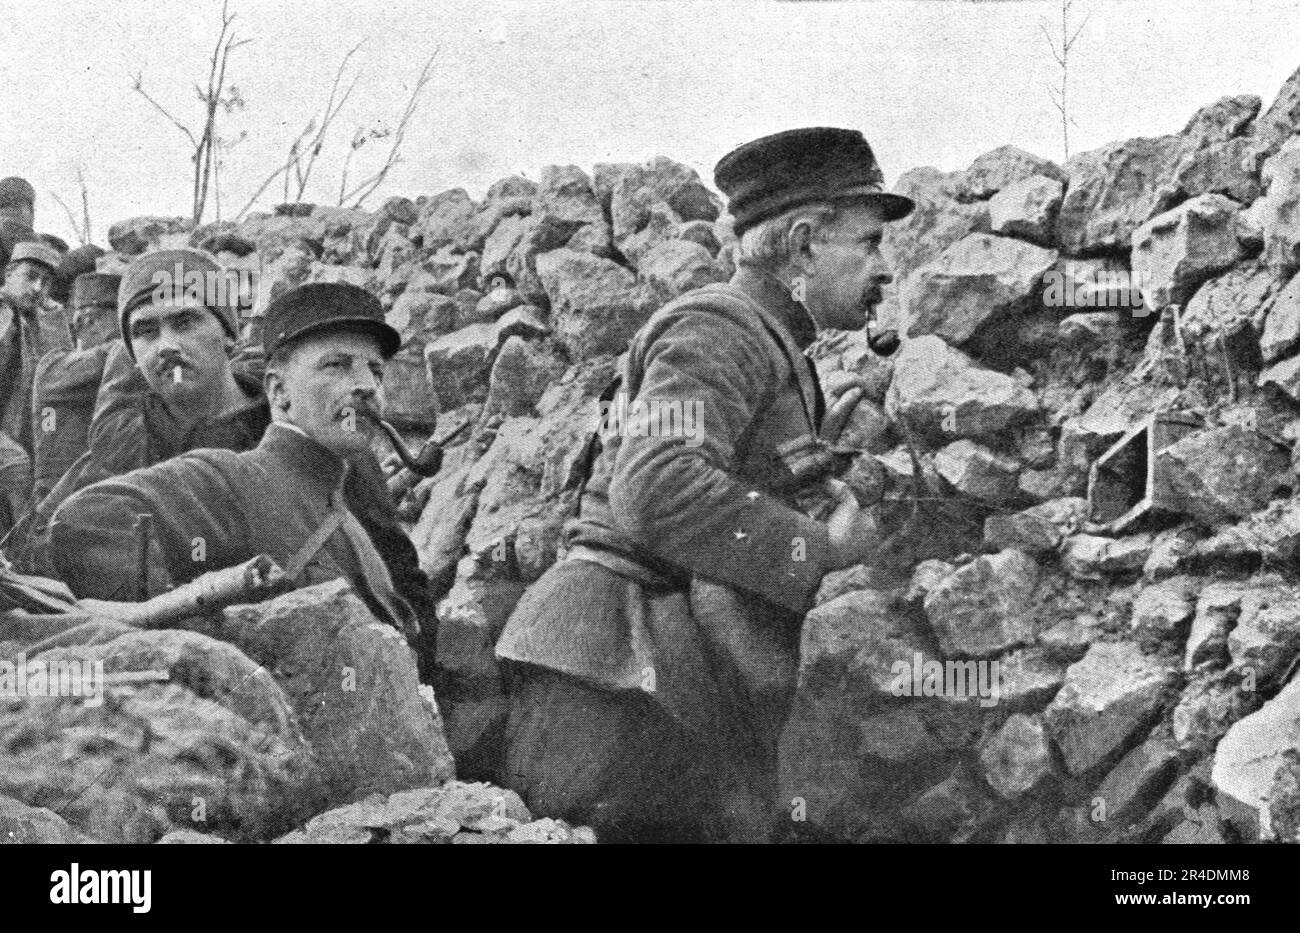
[(161, 419), (774, 296), (317, 464)]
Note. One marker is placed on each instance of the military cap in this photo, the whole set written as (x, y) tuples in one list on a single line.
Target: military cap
[(322, 306), (38, 252), (15, 192), (177, 275), (763, 178), (95, 289)]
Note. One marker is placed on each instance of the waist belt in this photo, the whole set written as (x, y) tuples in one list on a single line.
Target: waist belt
[(630, 567)]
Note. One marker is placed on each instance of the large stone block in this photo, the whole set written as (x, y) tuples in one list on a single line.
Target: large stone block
[(941, 391), (1108, 698), (186, 732), (1281, 333), (978, 472), (1027, 209), (138, 235), (1278, 211), (1178, 250), (596, 306), (1253, 753), (999, 169), (1018, 758), (353, 684), (1115, 189), (978, 281), (459, 364), (980, 609), (1224, 474)]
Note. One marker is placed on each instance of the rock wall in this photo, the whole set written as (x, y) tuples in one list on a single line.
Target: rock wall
[(1143, 672)]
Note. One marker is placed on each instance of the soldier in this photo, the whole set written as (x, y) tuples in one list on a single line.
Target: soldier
[(311, 495), (80, 261), (651, 671), (67, 381), (168, 386), (17, 214), (26, 334)]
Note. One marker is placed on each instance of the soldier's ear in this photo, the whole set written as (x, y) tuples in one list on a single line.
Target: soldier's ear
[(800, 239), (273, 383)]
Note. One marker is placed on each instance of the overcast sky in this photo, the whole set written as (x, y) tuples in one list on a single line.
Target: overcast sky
[(518, 85)]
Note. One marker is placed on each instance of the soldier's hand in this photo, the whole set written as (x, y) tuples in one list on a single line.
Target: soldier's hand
[(843, 392), (391, 465), (851, 529)]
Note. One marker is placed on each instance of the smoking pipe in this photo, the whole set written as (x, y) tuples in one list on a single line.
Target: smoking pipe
[(883, 343), (425, 463)]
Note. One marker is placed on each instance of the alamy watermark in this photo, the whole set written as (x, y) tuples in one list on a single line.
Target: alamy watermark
[(65, 677), (61, 677), (206, 287), (959, 680), (652, 418), (1086, 286)]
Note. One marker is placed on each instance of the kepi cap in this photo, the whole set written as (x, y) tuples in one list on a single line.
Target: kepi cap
[(763, 178), (38, 252), (324, 306)]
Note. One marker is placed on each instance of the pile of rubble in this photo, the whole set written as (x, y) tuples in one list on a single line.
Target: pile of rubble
[(1091, 418), (300, 718), (1101, 383)]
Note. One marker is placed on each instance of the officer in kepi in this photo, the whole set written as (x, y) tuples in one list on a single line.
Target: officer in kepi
[(311, 495), (652, 670)]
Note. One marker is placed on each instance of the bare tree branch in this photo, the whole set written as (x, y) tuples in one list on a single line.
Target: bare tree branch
[(205, 140), (1070, 44), (72, 220), (85, 207), (138, 86), (1061, 55), (80, 228), (363, 190), (333, 104), (294, 156)]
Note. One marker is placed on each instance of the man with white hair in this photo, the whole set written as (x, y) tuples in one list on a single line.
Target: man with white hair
[(652, 670)]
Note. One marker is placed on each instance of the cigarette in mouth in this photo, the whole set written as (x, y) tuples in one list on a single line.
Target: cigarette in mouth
[(178, 374)]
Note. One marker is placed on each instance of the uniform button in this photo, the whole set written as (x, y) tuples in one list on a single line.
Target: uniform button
[(740, 535)]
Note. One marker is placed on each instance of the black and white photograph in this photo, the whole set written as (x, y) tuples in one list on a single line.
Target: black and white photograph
[(643, 422)]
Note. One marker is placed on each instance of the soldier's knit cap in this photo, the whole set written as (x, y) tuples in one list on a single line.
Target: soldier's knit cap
[(38, 252), (768, 176), (171, 275), (323, 306), (16, 192)]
